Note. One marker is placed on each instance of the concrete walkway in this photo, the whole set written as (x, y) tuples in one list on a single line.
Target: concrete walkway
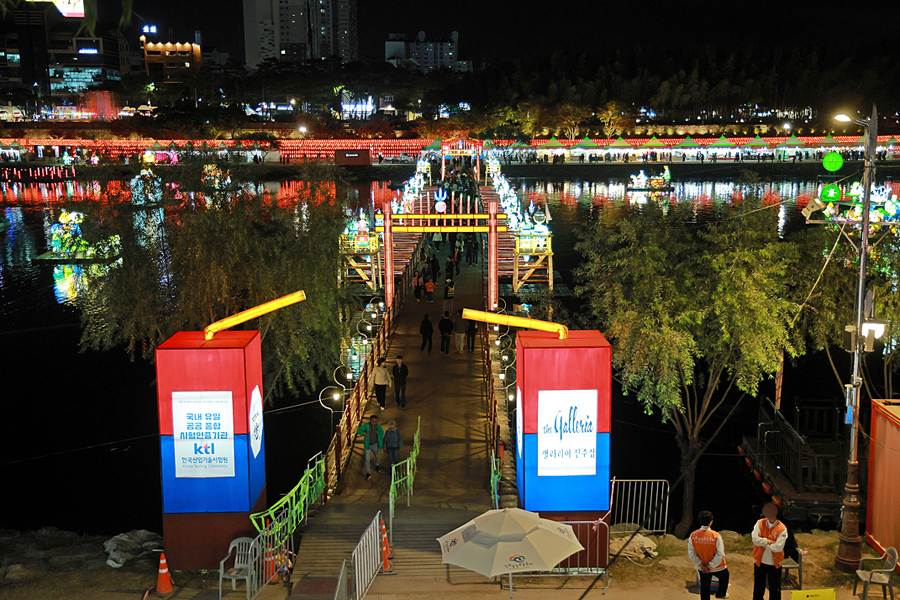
[(452, 481)]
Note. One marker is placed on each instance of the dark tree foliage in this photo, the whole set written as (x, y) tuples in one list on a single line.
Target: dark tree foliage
[(198, 262)]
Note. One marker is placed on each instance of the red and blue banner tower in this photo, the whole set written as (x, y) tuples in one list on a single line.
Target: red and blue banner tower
[(212, 446), (563, 391)]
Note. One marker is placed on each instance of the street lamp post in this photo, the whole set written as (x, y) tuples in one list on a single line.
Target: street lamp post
[(848, 553), (336, 395)]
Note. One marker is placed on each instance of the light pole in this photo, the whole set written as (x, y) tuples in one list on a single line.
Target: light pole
[(336, 395), (848, 553)]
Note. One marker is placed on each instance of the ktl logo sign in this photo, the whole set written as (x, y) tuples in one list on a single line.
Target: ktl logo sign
[(204, 449)]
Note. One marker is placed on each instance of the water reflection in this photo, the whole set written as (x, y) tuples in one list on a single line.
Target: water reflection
[(146, 202)]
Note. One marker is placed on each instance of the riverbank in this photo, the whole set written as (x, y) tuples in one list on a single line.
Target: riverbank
[(59, 565), (719, 171)]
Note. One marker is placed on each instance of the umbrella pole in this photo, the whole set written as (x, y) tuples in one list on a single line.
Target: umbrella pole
[(510, 586)]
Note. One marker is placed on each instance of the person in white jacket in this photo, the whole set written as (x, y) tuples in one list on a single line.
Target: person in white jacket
[(769, 536), (383, 379)]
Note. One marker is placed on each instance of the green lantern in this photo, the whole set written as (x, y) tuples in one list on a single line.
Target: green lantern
[(833, 161)]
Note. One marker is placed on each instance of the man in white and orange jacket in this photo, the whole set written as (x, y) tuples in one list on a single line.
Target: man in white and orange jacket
[(769, 536), (707, 551)]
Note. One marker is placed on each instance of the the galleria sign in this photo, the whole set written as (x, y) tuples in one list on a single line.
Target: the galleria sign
[(567, 432)]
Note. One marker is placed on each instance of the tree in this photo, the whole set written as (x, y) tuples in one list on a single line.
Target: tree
[(697, 312), (827, 290), (569, 116), (614, 118), (224, 254)]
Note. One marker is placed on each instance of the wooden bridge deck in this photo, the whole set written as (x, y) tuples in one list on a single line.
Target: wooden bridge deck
[(452, 482)]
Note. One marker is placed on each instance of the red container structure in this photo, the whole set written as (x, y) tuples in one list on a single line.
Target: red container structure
[(883, 501), (352, 158)]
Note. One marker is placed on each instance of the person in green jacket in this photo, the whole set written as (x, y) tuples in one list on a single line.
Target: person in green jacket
[(373, 442)]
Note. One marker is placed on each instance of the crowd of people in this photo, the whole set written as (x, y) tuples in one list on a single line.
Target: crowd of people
[(430, 276)]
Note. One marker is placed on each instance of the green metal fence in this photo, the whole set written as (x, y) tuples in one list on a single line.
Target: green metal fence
[(495, 481), (283, 518), (403, 475)]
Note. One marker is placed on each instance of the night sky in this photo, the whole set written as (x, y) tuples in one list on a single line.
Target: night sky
[(491, 29)]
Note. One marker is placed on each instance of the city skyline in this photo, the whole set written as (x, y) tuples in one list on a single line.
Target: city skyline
[(506, 29)]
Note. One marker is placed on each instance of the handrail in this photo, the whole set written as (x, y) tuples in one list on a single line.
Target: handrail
[(783, 421), (251, 313), (290, 510), (403, 484), (513, 321), (495, 481)]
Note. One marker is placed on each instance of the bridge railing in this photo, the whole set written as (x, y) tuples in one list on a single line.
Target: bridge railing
[(340, 591), (403, 476), (283, 517), (368, 557), (495, 481), (341, 447), (487, 365)]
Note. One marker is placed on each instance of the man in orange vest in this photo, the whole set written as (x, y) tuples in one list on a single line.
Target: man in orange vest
[(769, 536), (707, 552)]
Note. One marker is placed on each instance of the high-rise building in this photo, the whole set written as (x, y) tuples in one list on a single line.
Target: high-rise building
[(345, 32), (425, 55), (46, 52), (299, 30)]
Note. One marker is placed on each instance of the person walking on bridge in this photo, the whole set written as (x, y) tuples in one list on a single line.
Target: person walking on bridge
[(426, 330), (445, 327), (707, 551), (435, 266), (769, 537), (373, 442), (471, 333), (393, 441), (449, 292), (401, 372), (418, 286), (459, 329), (383, 379)]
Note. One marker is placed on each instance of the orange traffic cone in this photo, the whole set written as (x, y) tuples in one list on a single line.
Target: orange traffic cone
[(163, 580), (385, 550), (270, 563)]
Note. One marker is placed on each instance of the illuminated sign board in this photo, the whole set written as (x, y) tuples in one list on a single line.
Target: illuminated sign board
[(567, 432), (73, 9), (203, 431), (563, 418), (88, 51)]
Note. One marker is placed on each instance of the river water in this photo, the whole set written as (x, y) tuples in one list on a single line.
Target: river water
[(80, 449)]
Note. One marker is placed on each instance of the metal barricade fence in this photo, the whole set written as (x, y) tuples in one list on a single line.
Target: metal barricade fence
[(640, 503), (273, 559), (367, 558), (340, 591), (593, 560)]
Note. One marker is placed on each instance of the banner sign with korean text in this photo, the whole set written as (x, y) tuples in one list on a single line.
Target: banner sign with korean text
[(203, 428)]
